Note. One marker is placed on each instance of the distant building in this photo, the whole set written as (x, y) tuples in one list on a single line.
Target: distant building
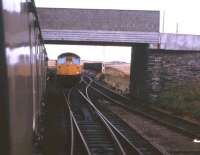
[(52, 64)]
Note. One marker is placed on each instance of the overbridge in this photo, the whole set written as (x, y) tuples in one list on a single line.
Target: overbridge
[(98, 26), (136, 28)]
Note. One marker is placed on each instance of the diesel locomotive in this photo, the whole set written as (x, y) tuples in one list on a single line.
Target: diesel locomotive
[(68, 69), (22, 76)]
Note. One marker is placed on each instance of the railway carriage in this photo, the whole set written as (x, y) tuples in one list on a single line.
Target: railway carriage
[(22, 76), (68, 69), (97, 67)]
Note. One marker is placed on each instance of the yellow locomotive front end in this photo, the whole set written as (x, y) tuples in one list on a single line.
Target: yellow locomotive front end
[(68, 69)]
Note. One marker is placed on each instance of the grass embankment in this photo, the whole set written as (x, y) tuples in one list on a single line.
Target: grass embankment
[(116, 79), (182, 100)]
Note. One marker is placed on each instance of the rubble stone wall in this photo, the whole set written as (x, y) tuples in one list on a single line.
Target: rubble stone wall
[(166, 68)]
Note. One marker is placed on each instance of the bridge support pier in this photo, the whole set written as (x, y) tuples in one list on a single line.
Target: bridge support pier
[(138, 75)]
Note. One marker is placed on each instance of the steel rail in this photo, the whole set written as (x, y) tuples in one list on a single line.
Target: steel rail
[(122, 137), (135, 150), (116, 141), (185, 127), (73, 121), (71, 125)]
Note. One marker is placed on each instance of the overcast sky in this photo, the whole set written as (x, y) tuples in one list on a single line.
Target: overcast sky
[(184, 13)]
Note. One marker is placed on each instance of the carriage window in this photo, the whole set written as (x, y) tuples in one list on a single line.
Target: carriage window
[(76, 61), (61, 60)]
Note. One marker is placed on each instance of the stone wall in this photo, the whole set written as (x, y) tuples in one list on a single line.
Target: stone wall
[(167, 68)]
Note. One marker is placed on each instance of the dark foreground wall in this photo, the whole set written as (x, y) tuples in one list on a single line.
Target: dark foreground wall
[(167, 69)]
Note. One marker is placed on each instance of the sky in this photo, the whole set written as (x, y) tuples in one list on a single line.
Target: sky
[(95, 53), (180, 16)]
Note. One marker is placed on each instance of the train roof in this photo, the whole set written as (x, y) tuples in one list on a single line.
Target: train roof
[(68, 54)]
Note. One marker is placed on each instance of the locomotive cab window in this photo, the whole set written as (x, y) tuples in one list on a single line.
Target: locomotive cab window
[(61, 61), (76, 61)]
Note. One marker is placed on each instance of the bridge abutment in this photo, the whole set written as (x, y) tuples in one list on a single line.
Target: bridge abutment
[(155, 73), (138, 76)]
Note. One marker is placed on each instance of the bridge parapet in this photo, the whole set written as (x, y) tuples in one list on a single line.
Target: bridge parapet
[(179, 42)]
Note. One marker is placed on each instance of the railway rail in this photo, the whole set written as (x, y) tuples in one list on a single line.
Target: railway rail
[(130, 135), (100, 135), (94, 132), (175, 123)]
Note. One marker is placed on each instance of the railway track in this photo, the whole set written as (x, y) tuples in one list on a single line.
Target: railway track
[(175, 123), (130, 135), (98, 134)]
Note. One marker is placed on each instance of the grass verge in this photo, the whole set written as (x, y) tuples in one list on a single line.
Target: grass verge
[(183, 100)]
